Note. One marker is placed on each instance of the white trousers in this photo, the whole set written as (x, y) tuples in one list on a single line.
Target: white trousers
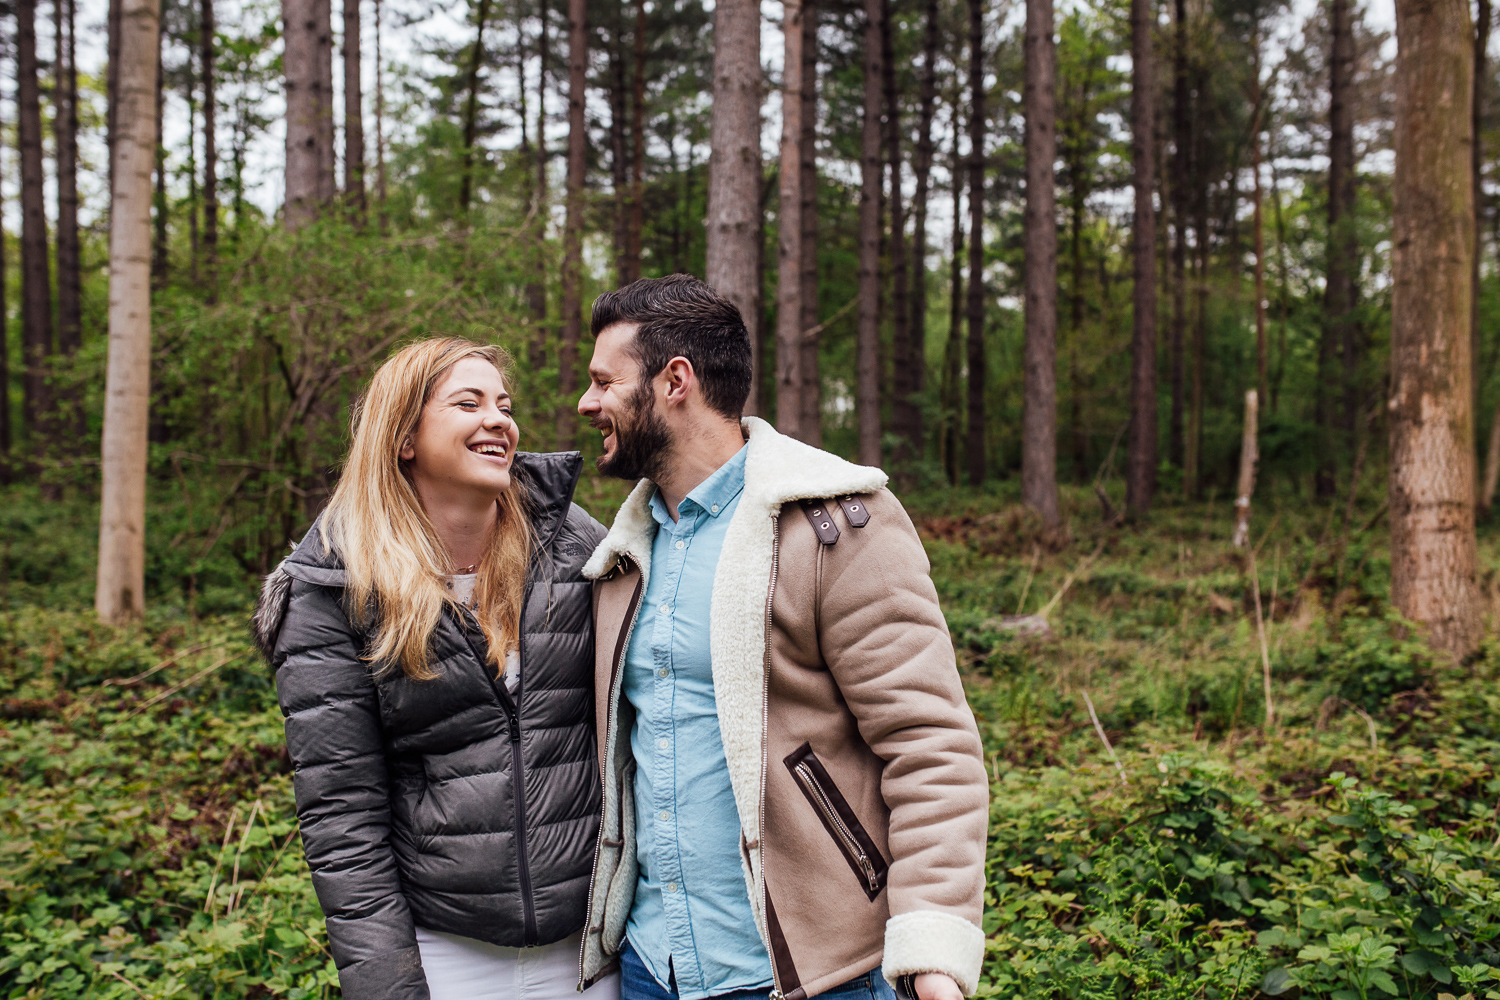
[(460, 968)]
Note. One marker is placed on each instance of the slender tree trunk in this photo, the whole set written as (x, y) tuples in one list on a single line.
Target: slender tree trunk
[(112, 82), (1476, 162), (1140, 469), (974, 445), (789, 230), (1077, 205), (638, 147), (1434, 562), (120, 592), (867, 345), (536, 288), (619, 158), (810, 424), (733, 250), (210, 145), (309, 108), (904, 408), (1182, 141), (471, 107), (918, 383), (380, 178), (328, 188), (1245, 490), (354, 114), (1343, 250), (1193, 452), (1039, 416), (7, 437), (159, 262), (190, 97), (1257, 98), (572, 268), (65, 129), (953, 350), (1284, 284), (36, 278)]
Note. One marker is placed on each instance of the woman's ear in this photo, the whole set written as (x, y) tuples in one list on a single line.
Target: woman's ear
[(408, 450)]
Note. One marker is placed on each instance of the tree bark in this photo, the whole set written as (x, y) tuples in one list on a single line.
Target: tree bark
[(903, 404), (733, 229), (210, 145), (811, 423), (572, 267), (65, 129), (1433, 552), (1248, 455), (619, 158), (974, 446), (380, 178), (354, 114), (638, 146), (1343, 250), (112, 83), (789, 230), (1476, 161), (1039, 415), (308, 65), (953, 350), (159, 246), (120, 591), (536, 288), (1140, 461), (918, 384), (1257, 97), (36, 278), (867, 344), (7, 437), (1182, 144), (471, 107)]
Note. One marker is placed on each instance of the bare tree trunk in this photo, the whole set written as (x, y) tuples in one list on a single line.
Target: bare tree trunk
[(789, 229), (1182, 141), (572, 267), (867, 344), (536, 288), (1433, 552), (210, 146), (380, 179), (974, 446), (1343, 250), (1193, 450), (1476, 161), (112, 82), (1262, 380), (953, 349), (811, 397), (733, 228), (903, 404), (1039, 416), (120, 592), (638, 147), (471, 107), (619, 159), (918, 383), (65, 128), (354, 114), (36, 278), (309, 108), (7, 438), (159, 247), (1248, 455), (1140, 462)]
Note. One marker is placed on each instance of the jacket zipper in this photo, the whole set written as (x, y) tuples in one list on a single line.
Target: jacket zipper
[(614, 670), (845, 835), (765, 723)]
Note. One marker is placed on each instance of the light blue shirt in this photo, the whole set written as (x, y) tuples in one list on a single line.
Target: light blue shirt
[(691, 916)]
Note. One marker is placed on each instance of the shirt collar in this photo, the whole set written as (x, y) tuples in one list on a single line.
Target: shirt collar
[(712, 496)]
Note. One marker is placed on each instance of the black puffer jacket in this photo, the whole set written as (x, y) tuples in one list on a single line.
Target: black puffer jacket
[(407, 790)]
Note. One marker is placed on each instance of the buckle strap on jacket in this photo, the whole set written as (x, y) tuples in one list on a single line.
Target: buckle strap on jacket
[(820, 516)]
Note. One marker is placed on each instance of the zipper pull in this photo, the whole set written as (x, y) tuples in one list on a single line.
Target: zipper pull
[(870, 874)]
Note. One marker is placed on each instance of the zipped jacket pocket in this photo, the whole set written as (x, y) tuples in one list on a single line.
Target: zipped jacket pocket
[(853, 840)]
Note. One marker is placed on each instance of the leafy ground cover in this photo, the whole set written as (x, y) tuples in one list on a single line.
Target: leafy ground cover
[(1151, 834)]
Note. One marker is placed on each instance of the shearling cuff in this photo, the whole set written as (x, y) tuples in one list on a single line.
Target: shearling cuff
[(933, 941)]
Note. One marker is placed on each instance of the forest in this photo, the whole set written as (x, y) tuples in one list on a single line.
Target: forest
[(1176, 324)]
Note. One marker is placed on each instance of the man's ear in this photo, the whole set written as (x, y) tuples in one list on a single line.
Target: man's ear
[(680, 380)]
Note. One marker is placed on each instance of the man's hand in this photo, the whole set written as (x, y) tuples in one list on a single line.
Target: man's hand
[(936, 986)]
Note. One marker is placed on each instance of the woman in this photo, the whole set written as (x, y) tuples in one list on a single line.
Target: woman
[(433, 650)]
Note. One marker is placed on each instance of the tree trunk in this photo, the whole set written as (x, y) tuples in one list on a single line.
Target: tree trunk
[(1283, 294), (918, 383), (210, 145), (974, 426), (36, 282), (732, 255), (190, 97), (638, 147), (789, 230), (380, 179), (1343, 250), (1476, 162), (811, 422), (309, 108), (6, 435), (112, 83), (1140, 462), (1246, 487), (619, 159), (536, 288), (903, 404), (159, 200), (1258, 214), (1039, 416), (65, 128), (354, 114), (471, 107), (867, 344), (572, 268), (120, 593), (953, 349), (1433, 552), (1182, 142)]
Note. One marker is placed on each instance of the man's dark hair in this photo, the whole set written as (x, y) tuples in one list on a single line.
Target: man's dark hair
[(680, 316)]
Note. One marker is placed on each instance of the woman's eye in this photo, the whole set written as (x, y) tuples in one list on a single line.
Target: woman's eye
[(469, 404)]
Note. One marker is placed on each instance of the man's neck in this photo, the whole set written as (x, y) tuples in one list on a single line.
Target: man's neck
[(694, 457)]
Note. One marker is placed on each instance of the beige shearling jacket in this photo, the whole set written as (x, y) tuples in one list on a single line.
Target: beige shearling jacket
[(854, 757)]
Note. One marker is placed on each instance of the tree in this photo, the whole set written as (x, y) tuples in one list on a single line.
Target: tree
[(789, 229), (811, 397), (923, 169), (572, 267), (120, 593), (6, 437), (471, 107), (1039, 416), (308, 60), (210, 145), (354, 113), (36, 282), (1339, 328), (1434, 561), (637, 219), (867, 343), (1140, 460), (974, 427), (732, 259), (1177, 184), (903, 403), (65, 131)]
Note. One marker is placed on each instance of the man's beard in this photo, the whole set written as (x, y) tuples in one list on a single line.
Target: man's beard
[(641, 439)]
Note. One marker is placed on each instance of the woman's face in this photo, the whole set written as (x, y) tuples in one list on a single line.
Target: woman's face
[(466, 438)]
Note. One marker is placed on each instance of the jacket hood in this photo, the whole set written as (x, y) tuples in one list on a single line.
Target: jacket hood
[(549, 477)]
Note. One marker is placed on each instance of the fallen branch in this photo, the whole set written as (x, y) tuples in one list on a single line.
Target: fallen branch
[(1265, 652), (1100, 730)]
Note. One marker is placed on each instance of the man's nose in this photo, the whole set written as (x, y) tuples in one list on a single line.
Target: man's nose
[(588, 402)]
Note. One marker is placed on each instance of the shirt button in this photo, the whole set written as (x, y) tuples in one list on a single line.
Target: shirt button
[(714, 509), (663, 743), (666, 609), (680, 544), (665, 816), (662, 672), (671, 886)]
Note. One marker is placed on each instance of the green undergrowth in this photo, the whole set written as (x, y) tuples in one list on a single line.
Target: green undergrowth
[(1344, 849)]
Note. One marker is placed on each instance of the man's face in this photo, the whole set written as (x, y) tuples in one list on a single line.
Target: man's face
[(621, 404)]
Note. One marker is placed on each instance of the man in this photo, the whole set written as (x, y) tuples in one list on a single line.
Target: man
[(795, 798)]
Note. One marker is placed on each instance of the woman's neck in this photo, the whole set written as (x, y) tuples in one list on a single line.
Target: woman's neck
[(464, 529)]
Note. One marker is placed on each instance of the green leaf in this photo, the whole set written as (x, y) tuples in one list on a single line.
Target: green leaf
[(1276, 982)]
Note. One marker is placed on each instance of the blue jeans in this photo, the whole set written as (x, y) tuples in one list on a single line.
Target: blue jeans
[(637, 983)]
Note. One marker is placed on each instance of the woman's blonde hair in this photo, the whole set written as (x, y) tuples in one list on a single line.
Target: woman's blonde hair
[(395, 564)]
